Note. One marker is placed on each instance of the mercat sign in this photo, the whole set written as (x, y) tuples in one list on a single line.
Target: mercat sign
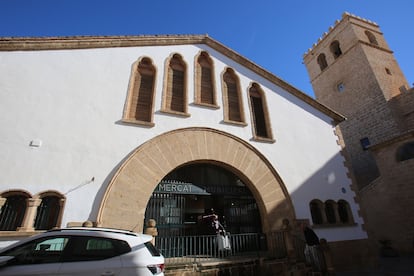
[(174, 187)]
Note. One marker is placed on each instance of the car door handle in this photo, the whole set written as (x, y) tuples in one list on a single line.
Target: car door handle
[(108, 273)]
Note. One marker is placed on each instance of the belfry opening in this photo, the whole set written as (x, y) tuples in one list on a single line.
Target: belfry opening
[(184, 201)]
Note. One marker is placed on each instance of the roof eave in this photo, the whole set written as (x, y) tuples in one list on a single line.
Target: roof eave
[(88, 42)]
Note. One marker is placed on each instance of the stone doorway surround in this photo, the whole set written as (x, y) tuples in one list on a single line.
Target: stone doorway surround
[(126, 197)]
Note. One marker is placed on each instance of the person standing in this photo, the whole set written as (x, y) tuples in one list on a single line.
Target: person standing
[(212, 220), (313, 252)]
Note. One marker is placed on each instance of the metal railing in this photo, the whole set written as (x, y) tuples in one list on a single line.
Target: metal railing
[(207, 248)]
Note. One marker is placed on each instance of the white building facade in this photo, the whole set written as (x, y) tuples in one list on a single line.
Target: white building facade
[(91, 125)]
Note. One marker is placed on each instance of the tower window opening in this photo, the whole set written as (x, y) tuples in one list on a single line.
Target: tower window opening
[(388, 71), (405, 152), (372, 39), (322, 61), (336, 49)]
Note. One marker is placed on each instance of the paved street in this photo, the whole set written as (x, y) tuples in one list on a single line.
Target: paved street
[(399, 266)]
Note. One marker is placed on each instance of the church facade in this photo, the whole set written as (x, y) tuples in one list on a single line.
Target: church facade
[(120, 130)]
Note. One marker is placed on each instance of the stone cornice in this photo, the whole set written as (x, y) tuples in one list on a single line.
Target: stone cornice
[(89, 42)]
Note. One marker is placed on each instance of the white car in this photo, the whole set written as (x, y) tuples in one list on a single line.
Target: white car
[(83, 251)]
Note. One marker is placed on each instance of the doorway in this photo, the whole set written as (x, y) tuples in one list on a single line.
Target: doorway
[(189, 192)]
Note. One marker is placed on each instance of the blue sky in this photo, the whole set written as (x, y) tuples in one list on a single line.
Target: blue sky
[(273, 34)]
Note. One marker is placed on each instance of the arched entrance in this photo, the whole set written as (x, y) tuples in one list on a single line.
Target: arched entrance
[(183, 202), (127, 195)]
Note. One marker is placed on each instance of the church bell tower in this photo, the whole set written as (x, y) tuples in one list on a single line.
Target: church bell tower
[(354, 72)]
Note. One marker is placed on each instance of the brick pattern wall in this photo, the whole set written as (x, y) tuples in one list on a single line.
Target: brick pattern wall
[(403, 108), (378, 105), (370, 77), (388, 201)]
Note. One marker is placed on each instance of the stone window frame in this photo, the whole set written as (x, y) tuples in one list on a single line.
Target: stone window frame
[(226, 102), (345, 212), (335, 48), (388, 71), (405, 152), (316, 209), (131, 105), (201, 60), (321, 59), (341, 213), (27, 223), (9, 209), (371, 38), (255, 90), (174, 62), (57, 218)]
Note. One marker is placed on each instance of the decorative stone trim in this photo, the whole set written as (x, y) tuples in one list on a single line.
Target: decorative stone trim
[(125, 199), (88, 42)]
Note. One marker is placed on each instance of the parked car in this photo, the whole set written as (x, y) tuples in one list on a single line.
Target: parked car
[(83, 251)]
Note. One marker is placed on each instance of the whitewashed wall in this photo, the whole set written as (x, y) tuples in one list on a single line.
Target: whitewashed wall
[(72, 101)]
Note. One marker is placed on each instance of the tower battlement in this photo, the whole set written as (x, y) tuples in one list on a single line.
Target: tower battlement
[(345, 16)]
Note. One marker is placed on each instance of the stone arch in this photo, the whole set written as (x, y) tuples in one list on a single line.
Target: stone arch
[(126, 197)]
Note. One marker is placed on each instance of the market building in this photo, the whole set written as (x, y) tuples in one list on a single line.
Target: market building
[(121, 130)]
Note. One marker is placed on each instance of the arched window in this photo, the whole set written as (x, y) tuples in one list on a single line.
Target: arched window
[(48, 213), (175, 95), (12, 212), (260, 116), (233, 111), (141, 94), (372, 39), (344, 211), (335, 49), (405, 152), (316, 208), (330, 211), (322, 61), (204, 80)]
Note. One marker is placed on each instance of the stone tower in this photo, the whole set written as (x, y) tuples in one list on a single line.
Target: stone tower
[(354, 72)]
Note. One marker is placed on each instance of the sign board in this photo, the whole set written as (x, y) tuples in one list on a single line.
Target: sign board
[(180, 188)]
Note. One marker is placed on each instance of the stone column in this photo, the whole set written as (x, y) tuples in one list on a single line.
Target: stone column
[(151, 229), (61, 208), (337, 217), (30, 214), (2, 201), (327, 255), (290, 249)]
